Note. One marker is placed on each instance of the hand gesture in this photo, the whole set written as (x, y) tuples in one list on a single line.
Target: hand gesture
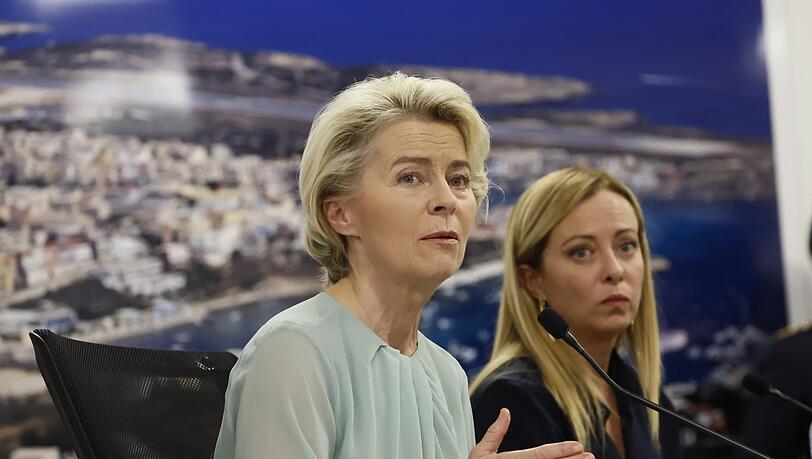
[(486, 449)]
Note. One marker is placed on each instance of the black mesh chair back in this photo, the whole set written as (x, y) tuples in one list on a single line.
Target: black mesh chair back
[(121, 402)]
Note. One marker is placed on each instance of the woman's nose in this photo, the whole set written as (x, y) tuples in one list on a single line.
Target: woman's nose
[(443, 202), (614, 269)]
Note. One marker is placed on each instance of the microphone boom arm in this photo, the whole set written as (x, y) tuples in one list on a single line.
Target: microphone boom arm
[(569, 339), (787, 398)]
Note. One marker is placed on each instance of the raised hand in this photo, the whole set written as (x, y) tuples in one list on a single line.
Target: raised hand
[(486, 449)]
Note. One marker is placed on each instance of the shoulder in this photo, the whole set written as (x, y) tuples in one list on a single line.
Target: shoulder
[(798, 340), (312, 318), (536, 416), (312, 313), (303, 328), (282, 378), (518, 381), (518, 372), (783, 363), (787, 350), (794, 330)]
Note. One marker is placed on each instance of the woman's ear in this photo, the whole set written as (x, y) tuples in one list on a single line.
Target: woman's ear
[(339, 216), (530, 279)]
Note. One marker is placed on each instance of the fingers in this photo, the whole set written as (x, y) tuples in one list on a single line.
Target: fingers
[(490, 442), (563, 450), (493, 437)]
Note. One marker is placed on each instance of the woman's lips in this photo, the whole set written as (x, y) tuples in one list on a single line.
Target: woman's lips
[(442, 238), (616, 300)]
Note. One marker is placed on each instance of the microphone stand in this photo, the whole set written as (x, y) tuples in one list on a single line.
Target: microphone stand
[(760, 386), (569, 339), (789, 399)]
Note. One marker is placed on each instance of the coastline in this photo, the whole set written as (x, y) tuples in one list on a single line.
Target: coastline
[(273, 288), (194, 312)]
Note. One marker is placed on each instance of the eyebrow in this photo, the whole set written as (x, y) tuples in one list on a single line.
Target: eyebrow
[(423, 161), (592, 238)]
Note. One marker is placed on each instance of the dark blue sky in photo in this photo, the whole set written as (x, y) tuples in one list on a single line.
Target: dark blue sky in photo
[(692, 62)]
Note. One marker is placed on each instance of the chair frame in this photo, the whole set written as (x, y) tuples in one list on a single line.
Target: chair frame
[(59, 394), (62, 399)]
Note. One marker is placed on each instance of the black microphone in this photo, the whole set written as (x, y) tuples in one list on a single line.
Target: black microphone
[(760, 386), (558, 329)]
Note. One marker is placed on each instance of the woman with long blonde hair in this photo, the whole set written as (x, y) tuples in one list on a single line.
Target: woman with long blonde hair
[(576, 243)]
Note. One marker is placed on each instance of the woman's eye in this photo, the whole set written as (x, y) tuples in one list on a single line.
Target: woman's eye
[(459, 181), (409, 178), (579, 252), (628, 247)]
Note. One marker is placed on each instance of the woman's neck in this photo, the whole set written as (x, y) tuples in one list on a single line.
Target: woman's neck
[(391, 310)]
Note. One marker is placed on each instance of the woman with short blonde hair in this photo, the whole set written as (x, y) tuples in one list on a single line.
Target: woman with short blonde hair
[(340, 140), (391, 180)]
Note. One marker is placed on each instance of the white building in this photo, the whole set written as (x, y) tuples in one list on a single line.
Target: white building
[(15, 323)]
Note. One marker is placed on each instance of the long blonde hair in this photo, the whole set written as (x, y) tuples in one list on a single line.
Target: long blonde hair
[(537, 212)]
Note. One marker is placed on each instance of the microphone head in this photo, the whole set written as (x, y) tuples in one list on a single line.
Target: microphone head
[(756, 384), (555, 325)]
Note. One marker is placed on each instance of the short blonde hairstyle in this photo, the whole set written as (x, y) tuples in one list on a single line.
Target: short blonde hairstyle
[(537, 212), (340, 140)]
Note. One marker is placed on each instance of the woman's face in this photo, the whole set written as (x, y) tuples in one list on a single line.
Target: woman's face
[(415, 207), (592, 268)]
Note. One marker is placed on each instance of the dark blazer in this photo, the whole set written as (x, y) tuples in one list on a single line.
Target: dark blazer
[(772, 426), (536, 418)]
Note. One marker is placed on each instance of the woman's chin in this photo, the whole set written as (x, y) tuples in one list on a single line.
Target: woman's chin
[(426, 270), (608, 331), (616, 330), (439, 273)]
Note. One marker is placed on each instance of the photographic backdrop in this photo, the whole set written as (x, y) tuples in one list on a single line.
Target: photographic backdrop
[(149, 148)]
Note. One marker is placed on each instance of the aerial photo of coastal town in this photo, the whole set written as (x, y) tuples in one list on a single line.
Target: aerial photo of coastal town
[(148, 198)]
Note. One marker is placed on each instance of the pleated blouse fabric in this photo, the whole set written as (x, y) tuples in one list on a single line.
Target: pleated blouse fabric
[(315, 382)]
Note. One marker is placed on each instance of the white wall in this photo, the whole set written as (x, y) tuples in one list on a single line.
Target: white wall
[(788, 39)]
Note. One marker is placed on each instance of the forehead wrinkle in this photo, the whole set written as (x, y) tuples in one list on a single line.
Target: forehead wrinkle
[(413, 132), (427, 162), (426, 157), (411, 141), (419, 141), (448, 134)]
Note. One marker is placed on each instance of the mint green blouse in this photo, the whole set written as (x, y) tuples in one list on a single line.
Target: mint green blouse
[(315, 382)]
